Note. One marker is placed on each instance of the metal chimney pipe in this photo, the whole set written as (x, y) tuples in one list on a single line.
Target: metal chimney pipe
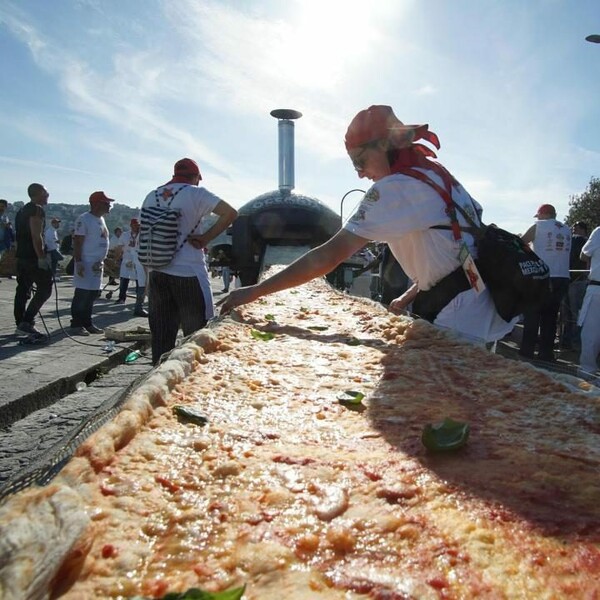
[(285, 128)]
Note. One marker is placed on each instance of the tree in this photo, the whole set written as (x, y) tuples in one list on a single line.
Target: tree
[(586, 206)]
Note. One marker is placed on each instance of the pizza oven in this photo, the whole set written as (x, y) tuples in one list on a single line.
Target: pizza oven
[(281, 218)]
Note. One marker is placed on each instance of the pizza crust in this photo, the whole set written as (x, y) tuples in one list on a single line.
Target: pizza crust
[(40, 532)]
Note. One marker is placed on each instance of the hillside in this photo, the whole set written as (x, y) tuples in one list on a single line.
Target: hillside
[(119, 216)]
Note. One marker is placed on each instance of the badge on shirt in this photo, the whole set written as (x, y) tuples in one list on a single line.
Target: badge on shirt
[(470, 269)]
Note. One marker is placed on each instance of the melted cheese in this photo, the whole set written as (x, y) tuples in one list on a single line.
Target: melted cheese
[(298, 496)]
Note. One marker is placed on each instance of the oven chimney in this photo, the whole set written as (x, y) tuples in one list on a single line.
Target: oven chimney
[(285, 125)]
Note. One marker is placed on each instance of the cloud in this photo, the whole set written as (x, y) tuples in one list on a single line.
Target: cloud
[(37, 165), (426, 90)]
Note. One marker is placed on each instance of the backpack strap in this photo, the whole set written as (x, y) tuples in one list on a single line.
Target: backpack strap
[(171, 198), (451, 207)]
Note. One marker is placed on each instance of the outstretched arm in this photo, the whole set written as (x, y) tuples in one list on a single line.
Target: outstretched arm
[(315, 263)]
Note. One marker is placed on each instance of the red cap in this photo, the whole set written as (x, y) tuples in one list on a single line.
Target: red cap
[(546, 209), (186, 167), (134, 221), (100, 197), (379, 122)]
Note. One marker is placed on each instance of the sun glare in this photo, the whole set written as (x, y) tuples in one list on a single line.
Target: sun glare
[(323, 40)]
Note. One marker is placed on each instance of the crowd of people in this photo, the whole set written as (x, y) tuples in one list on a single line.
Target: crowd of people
[(419, 213), (180, 291)]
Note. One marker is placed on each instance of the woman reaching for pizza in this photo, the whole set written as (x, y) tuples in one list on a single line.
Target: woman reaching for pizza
[(403, 209)]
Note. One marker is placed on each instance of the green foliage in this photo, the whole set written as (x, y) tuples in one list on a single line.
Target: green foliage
[(586, 206)]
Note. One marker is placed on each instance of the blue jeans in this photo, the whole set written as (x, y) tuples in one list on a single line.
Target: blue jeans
[(55, 258)]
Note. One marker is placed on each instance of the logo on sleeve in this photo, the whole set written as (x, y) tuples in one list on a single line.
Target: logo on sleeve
[(372, 195)]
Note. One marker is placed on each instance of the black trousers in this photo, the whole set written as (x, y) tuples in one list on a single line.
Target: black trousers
[(124, 286), (28, 274), (539, 325), (82, 306), (173, 302)]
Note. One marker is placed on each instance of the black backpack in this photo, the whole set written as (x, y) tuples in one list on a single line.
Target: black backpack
[(518, 279)]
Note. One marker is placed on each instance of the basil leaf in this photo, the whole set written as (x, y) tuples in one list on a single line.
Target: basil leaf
[(445, 436), (265, 336), (269, 317), (189, 415), (198, 594), (350, 398), (353, 342)]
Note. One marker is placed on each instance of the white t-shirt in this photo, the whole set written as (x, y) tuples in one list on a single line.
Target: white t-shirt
[(552, 243), (50, 238), (400, 210), (93, 252), (131, 268), (115, 241), (195, 203), (592, 249)]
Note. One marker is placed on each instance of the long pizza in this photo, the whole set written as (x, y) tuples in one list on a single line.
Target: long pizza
[(283, 454)]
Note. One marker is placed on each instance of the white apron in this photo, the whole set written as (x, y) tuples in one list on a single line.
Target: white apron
[(202, 275)]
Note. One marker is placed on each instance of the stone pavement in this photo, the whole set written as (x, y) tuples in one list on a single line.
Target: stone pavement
[(48, 390)]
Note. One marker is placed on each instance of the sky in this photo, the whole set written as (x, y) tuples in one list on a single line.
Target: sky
[(108, 94)]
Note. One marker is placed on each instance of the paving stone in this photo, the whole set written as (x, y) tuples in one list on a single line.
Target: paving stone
[(38, 405)]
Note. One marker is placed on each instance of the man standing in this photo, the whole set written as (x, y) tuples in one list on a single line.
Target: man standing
[(32, 264), (589, 315), (179, 293), (90, 247), (51, 243), (116, 245), (131, 268), (5, 231), (551, 241), (574, 298)]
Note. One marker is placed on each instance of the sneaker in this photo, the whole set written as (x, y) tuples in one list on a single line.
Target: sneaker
[(78, 331), (93, 329), (140, 312), (28, 329), (119, 301)]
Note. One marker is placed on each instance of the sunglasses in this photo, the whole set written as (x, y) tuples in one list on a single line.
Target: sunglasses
[(359, 161)]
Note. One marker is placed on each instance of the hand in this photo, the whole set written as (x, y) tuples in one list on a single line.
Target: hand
[(44, 263), (398, 305), (197, 240), (238, 298), (80, 269), (97, 266)]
